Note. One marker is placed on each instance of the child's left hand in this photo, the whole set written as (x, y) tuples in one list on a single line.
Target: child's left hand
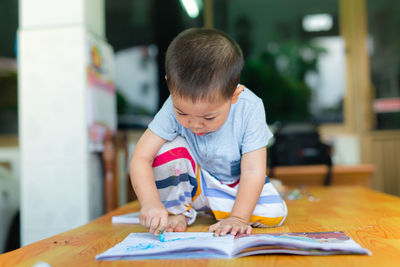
[(232, 225)]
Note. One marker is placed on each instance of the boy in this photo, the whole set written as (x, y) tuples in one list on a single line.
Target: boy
[(206, 147)]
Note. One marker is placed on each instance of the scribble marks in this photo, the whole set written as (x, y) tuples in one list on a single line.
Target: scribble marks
[(141, 246)]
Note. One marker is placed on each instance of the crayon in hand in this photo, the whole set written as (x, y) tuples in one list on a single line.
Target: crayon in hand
[(161, 236)]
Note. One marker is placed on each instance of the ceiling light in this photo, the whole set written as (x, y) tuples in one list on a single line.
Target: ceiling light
[(317, 22), (191, 7)]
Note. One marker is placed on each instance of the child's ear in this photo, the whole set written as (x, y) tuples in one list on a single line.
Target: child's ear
[(236, 94), (166, 78)]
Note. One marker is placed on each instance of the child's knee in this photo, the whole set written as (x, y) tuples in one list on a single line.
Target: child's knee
[(179, 141), (271, 210), (173, 160), (271, 215), (174, 174)]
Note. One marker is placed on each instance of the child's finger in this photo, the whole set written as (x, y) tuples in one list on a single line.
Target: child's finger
[(236, 229), (163, 223), (225, 229), (248, 229), (217, 231), (147, 221), (154, 225), (213, 227), (243, 229)]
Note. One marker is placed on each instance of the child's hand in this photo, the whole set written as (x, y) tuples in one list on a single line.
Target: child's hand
[(154, 216), (234, 225)]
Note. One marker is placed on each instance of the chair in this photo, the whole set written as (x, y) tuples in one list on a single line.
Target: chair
[(116, 169)]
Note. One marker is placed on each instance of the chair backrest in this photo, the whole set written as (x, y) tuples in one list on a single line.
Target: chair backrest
[(115, 159), (300, 144), (110, 175)]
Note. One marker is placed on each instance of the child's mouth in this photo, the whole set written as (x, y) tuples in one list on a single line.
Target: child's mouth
[(200, 134)]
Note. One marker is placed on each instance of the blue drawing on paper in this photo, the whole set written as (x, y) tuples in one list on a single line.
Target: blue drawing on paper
[(142, 246), (178, 239), (147, 246)]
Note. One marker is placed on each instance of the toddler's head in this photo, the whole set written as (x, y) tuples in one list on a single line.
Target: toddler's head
[(203, 64)]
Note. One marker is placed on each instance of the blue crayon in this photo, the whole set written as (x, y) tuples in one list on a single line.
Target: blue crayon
[(161, 236)]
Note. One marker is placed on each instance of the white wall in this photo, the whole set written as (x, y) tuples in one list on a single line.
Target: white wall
[(61, 182)]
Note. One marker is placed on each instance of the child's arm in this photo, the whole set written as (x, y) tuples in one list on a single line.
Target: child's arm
[(252, 179), (153, 213)]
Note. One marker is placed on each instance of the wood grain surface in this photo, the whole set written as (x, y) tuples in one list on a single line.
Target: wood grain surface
[(372, 219), (314, 175)]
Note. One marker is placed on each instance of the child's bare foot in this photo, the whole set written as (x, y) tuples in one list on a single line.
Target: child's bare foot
[(176, 223)]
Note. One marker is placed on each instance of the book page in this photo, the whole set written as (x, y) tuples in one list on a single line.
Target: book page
[(175, 245), (332, 242)]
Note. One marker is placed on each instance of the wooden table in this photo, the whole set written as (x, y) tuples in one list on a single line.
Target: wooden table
[(372, 219), (314, 175)]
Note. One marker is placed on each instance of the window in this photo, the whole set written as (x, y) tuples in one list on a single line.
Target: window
[(8, 67), (294, 55), (140, 32), (384, 50)]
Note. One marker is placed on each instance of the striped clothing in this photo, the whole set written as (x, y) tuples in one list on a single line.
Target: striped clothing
[(185, 187), (220, 152)]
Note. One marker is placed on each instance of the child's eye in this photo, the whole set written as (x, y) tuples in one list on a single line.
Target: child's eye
[(210, 119)]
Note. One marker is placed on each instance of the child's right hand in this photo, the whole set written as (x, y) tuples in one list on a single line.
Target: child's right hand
[(154, 216)]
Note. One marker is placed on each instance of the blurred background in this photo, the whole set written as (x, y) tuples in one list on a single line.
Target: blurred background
[(81, 79)]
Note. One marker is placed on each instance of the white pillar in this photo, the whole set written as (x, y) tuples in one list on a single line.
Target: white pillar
[(61, 183)]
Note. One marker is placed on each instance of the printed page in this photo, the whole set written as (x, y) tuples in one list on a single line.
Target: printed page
[(337, 242), (175, 245), (294, 251)]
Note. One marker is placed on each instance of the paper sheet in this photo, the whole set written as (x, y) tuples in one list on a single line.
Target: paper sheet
[(176, 245), (132, 218)]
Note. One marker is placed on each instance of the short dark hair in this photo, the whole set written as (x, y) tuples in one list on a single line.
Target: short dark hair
[(203, 64)]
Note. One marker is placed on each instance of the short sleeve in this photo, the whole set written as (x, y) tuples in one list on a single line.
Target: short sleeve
[(164, 123), (256, 134)]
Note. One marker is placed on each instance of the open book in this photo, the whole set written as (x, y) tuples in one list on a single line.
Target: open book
[(139, 246)]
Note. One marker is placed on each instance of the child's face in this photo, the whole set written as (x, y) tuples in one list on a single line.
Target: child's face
[(201, 117)]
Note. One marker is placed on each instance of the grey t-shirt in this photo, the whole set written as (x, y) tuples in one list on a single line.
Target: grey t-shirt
[(220, 152)]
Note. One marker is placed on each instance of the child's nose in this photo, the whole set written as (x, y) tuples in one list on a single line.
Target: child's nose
[(195, 123)]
